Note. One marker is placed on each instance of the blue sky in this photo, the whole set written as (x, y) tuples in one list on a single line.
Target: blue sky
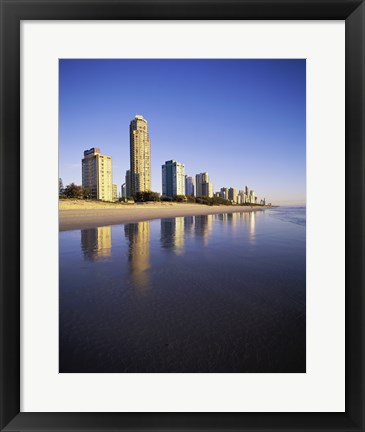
[(243, 121)]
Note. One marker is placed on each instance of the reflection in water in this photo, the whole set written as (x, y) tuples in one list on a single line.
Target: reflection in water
[(172, 234), (252, 230), (222, 217), (203, 227), (237, 305), (188, 225), (138, 235), (96, 242)]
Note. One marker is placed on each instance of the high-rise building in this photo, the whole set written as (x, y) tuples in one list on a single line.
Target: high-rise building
[(189, 185), (115, 192), (123, 190), (224, 193), (200, 179), (140, 155), (203, 187), (243, 196), (252, 196), (173, 178), (128, 183), (207, 189), (232, 194), (97, 175)]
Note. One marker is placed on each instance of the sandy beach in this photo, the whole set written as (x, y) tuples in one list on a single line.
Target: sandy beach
[(76, 214)]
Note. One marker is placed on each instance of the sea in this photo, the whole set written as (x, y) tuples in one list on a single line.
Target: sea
[(222, 293)]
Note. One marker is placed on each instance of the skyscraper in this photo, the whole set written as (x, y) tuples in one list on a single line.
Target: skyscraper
[(123, 190), (97, 175), (128, 183), (207, 189), (224, 193), (173, 178), (203, 187), (232, 194), (243, 196), (140, 155), (252, 197), (189, 185), (115, 192)]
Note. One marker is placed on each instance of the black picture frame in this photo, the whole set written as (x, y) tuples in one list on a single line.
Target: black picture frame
[(12, 12)]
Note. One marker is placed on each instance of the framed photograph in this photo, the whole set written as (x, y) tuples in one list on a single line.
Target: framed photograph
[(182, 209)]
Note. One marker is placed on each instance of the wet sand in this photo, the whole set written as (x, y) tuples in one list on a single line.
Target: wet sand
[(82, 218)]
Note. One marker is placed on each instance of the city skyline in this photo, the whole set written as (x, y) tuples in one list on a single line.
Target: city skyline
[(274, 166)]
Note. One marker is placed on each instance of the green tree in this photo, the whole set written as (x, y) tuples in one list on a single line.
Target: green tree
[(74, 191), (147, 196), (60, 187)]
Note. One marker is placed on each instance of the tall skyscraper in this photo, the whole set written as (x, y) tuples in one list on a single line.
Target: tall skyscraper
[(115, 192), (123, 190), (243, 196), (232, 194), (189, 185), (97, 175), (224, 193), (173, 178), (128, 183), (203, 187), (140, 155), (207, 189), (252, 197)]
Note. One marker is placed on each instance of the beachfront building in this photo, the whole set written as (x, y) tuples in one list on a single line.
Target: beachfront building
[(207, 189), (173, 178), (123, 190), (97, 175), (252, 197), (232, 194), (189, 185), (140, 156), (128, 183), (241, 197), (203, 186), (224, 193), (115, 192)]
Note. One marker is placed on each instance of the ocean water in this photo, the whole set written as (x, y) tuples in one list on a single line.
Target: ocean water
[(214, 293)]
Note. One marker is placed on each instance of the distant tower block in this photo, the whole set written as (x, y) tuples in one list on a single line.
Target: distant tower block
[(140, 156)]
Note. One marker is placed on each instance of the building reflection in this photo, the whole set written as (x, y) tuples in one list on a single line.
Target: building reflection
[(249, 218), (138, 235), (172, 234), (203, 226), (222, 216), (188, 225), (96, 243), (252, 226)]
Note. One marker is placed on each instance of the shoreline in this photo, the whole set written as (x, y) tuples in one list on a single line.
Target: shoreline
[(83, 218)]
